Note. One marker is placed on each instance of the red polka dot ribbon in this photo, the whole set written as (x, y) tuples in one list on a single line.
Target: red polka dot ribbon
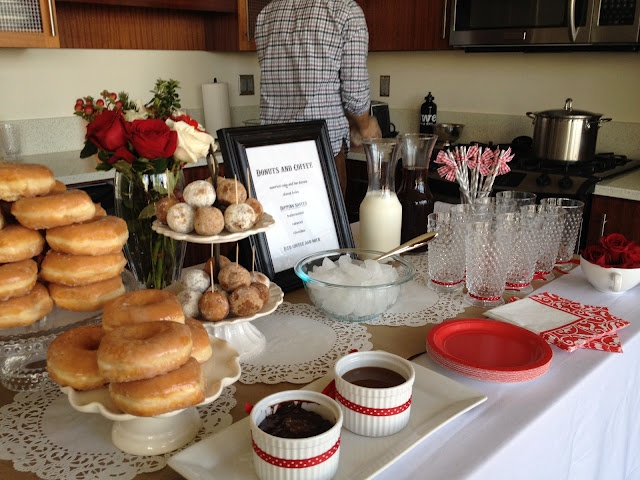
[(446, 284), (300, 463), (516, 286), (374, 412), (486, 299)]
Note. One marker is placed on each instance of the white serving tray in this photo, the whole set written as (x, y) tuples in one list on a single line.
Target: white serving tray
[(437, 400)]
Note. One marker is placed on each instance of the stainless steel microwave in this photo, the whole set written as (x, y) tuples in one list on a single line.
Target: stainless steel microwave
[(527, 24)]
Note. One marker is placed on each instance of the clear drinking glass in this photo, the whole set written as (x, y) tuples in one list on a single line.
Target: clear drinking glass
[(446, 252), (547, 238), (521, 198), (487, 256), (9, 141), (524, 250), (572, 228), (495, 205)]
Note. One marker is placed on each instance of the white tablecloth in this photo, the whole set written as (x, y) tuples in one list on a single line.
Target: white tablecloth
[(581, 420)]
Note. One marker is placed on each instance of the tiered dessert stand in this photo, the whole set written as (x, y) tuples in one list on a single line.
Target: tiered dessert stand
[(238, 331)]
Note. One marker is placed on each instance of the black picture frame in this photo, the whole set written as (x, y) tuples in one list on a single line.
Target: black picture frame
[(241, 152)]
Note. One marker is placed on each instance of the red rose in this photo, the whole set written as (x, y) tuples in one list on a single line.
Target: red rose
[(615, 243), (630, 258), (123, 153), (108, 131), (152, 138), (597, 254)]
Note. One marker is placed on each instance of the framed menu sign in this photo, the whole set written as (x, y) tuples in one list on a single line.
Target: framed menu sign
[(290, 169)]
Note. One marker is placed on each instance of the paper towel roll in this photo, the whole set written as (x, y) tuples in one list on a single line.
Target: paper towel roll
[(215, 99)]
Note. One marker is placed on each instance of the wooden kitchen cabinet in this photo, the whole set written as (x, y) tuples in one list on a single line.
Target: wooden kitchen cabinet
[(148, 24), (613, 215), (393, 26), (27, 25), (407, 24)]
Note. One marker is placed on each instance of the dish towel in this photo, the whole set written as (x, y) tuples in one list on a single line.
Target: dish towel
[(562, 322)]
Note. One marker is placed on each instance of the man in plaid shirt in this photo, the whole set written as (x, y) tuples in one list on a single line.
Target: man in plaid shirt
[(313, 61)]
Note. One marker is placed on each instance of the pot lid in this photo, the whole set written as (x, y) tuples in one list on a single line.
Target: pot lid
[(568, 112)]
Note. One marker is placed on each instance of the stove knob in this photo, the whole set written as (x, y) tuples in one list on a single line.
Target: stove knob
[(565, 183), (543, 180)]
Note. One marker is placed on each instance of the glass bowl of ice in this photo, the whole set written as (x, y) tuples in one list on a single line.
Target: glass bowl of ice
[(350, 285)]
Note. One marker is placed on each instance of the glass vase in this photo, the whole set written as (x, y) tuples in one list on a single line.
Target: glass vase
[(154, 259)]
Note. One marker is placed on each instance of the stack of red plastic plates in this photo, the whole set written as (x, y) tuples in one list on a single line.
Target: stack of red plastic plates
[(489, 350)]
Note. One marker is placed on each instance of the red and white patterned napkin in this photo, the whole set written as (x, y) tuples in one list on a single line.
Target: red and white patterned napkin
[(562, 322)]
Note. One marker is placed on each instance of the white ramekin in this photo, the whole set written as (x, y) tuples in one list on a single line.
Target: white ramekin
[(312, 458), (374, 412)]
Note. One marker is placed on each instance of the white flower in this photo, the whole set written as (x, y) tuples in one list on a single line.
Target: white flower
[(140, 112), (193, 144)]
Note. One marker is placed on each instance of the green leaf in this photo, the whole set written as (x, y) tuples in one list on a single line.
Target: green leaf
[(148, 212), (89, 149)]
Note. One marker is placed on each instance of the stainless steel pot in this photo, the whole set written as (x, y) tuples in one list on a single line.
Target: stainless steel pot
[(566, 135)]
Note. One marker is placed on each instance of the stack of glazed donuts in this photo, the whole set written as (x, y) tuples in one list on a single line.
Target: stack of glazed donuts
[(145, 350), (78, 246)]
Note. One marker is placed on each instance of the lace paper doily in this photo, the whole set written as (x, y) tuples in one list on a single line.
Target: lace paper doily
[(41, 433), (418, 304), (301, 345)]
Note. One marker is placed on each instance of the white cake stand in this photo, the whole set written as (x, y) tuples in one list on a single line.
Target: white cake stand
[(167, 432), (238, 331)]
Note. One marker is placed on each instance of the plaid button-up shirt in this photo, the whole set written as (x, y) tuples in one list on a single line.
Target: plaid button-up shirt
[(313, 60)]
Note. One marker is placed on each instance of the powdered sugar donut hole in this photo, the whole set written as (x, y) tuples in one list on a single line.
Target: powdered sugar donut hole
[(239, 217), (196, 280), (189, 300), (199, 193), (180, 218)]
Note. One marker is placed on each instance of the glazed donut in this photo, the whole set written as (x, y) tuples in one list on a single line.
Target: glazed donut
[(208, 266), (58, 187), (143, 350), (27, 309), (19, 243), (140, 306), (100, 211), (77, 270), (181, 388), (98, 237), (86, 298), (51, 211), (19, 180), (199, 193), (202, 350), (72, 358), (162, 207), (17, 279)]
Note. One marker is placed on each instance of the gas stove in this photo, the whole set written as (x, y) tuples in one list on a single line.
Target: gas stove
[(548, 178), (545, 178)]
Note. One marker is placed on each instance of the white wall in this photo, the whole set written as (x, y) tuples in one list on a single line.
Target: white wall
[(44, 84)]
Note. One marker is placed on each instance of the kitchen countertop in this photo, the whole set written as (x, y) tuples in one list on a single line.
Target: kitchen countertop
[(70, 169), (625, 186)]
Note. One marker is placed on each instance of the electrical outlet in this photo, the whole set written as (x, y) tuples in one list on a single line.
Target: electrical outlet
[(385, 81), (246, 85)]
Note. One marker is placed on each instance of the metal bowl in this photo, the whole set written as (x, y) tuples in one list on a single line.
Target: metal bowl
[(448, 133)]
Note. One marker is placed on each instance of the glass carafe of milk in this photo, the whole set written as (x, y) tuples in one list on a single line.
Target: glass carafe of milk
[(380, 210)]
